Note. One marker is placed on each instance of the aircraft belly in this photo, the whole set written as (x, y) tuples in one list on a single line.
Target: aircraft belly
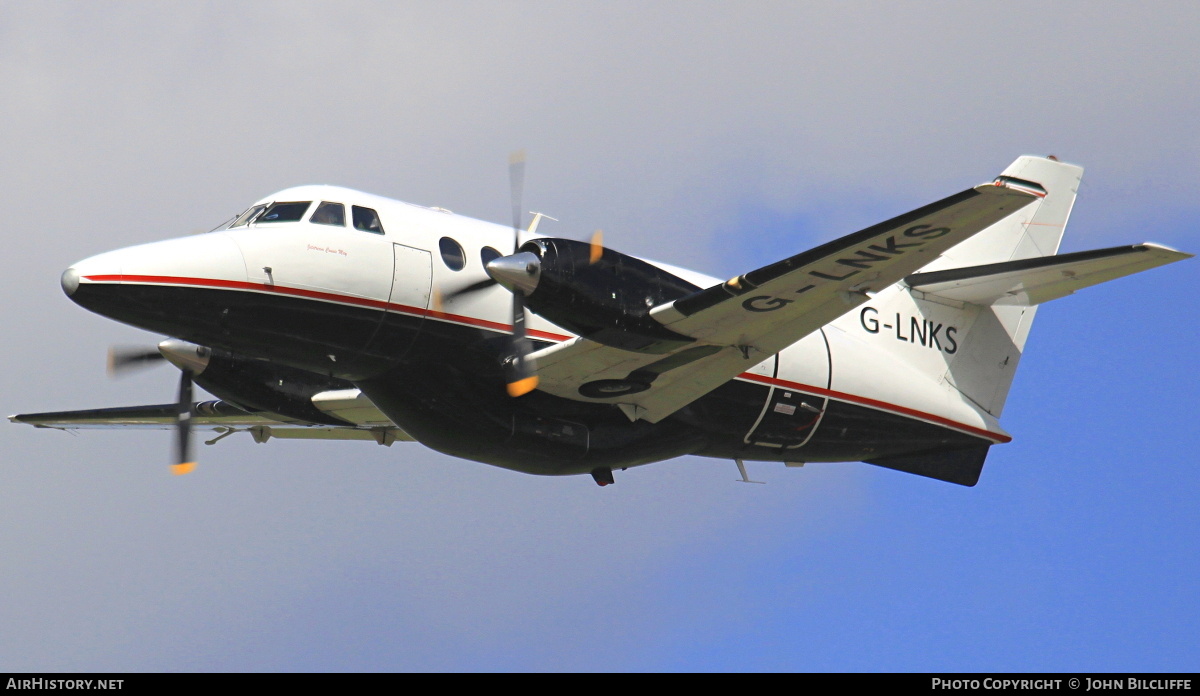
[(448, 393), (318, 335), (842, 432), (449, 411), (850, 432)]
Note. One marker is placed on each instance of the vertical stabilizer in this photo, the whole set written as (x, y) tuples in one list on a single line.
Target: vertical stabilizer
[(978, 346), (984, 369), (1035, 231)]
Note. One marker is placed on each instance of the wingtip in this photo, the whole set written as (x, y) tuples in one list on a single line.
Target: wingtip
[(1163, 248)]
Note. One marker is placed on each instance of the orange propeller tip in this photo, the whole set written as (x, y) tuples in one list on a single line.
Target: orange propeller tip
[(597, 249), (184, 468), (522, 386)]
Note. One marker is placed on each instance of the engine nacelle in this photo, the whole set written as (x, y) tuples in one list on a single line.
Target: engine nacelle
[(254, 385), (607, 300)]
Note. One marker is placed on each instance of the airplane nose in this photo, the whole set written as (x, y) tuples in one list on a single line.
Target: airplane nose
[(149, 285), (77, 280), (70, 281)]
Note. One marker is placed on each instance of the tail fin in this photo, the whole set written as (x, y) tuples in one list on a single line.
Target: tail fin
[(994, 336), (976, 347), (963, 320), (1035, 231)]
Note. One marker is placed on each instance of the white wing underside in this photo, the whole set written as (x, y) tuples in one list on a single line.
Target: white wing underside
[(366, 422), (744, 321)]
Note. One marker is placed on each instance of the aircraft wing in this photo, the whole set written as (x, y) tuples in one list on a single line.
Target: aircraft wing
[(740, 323), (218, 416)]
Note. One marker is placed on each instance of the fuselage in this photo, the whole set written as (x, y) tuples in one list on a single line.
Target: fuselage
[(344, 285)]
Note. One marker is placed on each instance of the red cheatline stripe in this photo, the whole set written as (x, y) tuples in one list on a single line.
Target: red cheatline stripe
[(544, 335), (876, 404), (323, 296)]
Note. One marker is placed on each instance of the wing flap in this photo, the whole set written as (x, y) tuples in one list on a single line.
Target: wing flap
[(1033, 281)]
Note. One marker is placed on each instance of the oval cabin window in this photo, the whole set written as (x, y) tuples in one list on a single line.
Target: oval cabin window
[(452, 254)]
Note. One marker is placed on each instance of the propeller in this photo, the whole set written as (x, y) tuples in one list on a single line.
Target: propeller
[(440, 298), (597, 246), (518, 273), (191, 359), (520, 371), (184, 461), (122, 360)]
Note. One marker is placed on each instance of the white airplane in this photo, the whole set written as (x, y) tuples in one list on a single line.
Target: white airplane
[(323, 312)]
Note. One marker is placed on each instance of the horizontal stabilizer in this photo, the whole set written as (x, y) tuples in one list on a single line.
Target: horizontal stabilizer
[(1032, 281)]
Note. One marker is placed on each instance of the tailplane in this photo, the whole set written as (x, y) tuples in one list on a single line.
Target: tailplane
[(1033, 281)]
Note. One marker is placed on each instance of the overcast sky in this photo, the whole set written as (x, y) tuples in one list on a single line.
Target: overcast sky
[(719, 136)]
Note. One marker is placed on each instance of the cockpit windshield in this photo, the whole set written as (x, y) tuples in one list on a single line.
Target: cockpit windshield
[(284, 212), (326, 213), (247, 217), (366, 219), (329, 214)]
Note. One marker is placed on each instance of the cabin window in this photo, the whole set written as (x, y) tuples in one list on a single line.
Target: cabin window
[(285, 212), (452, 254), (366, 220), (248, 216), (487, 254), (329, 214)]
